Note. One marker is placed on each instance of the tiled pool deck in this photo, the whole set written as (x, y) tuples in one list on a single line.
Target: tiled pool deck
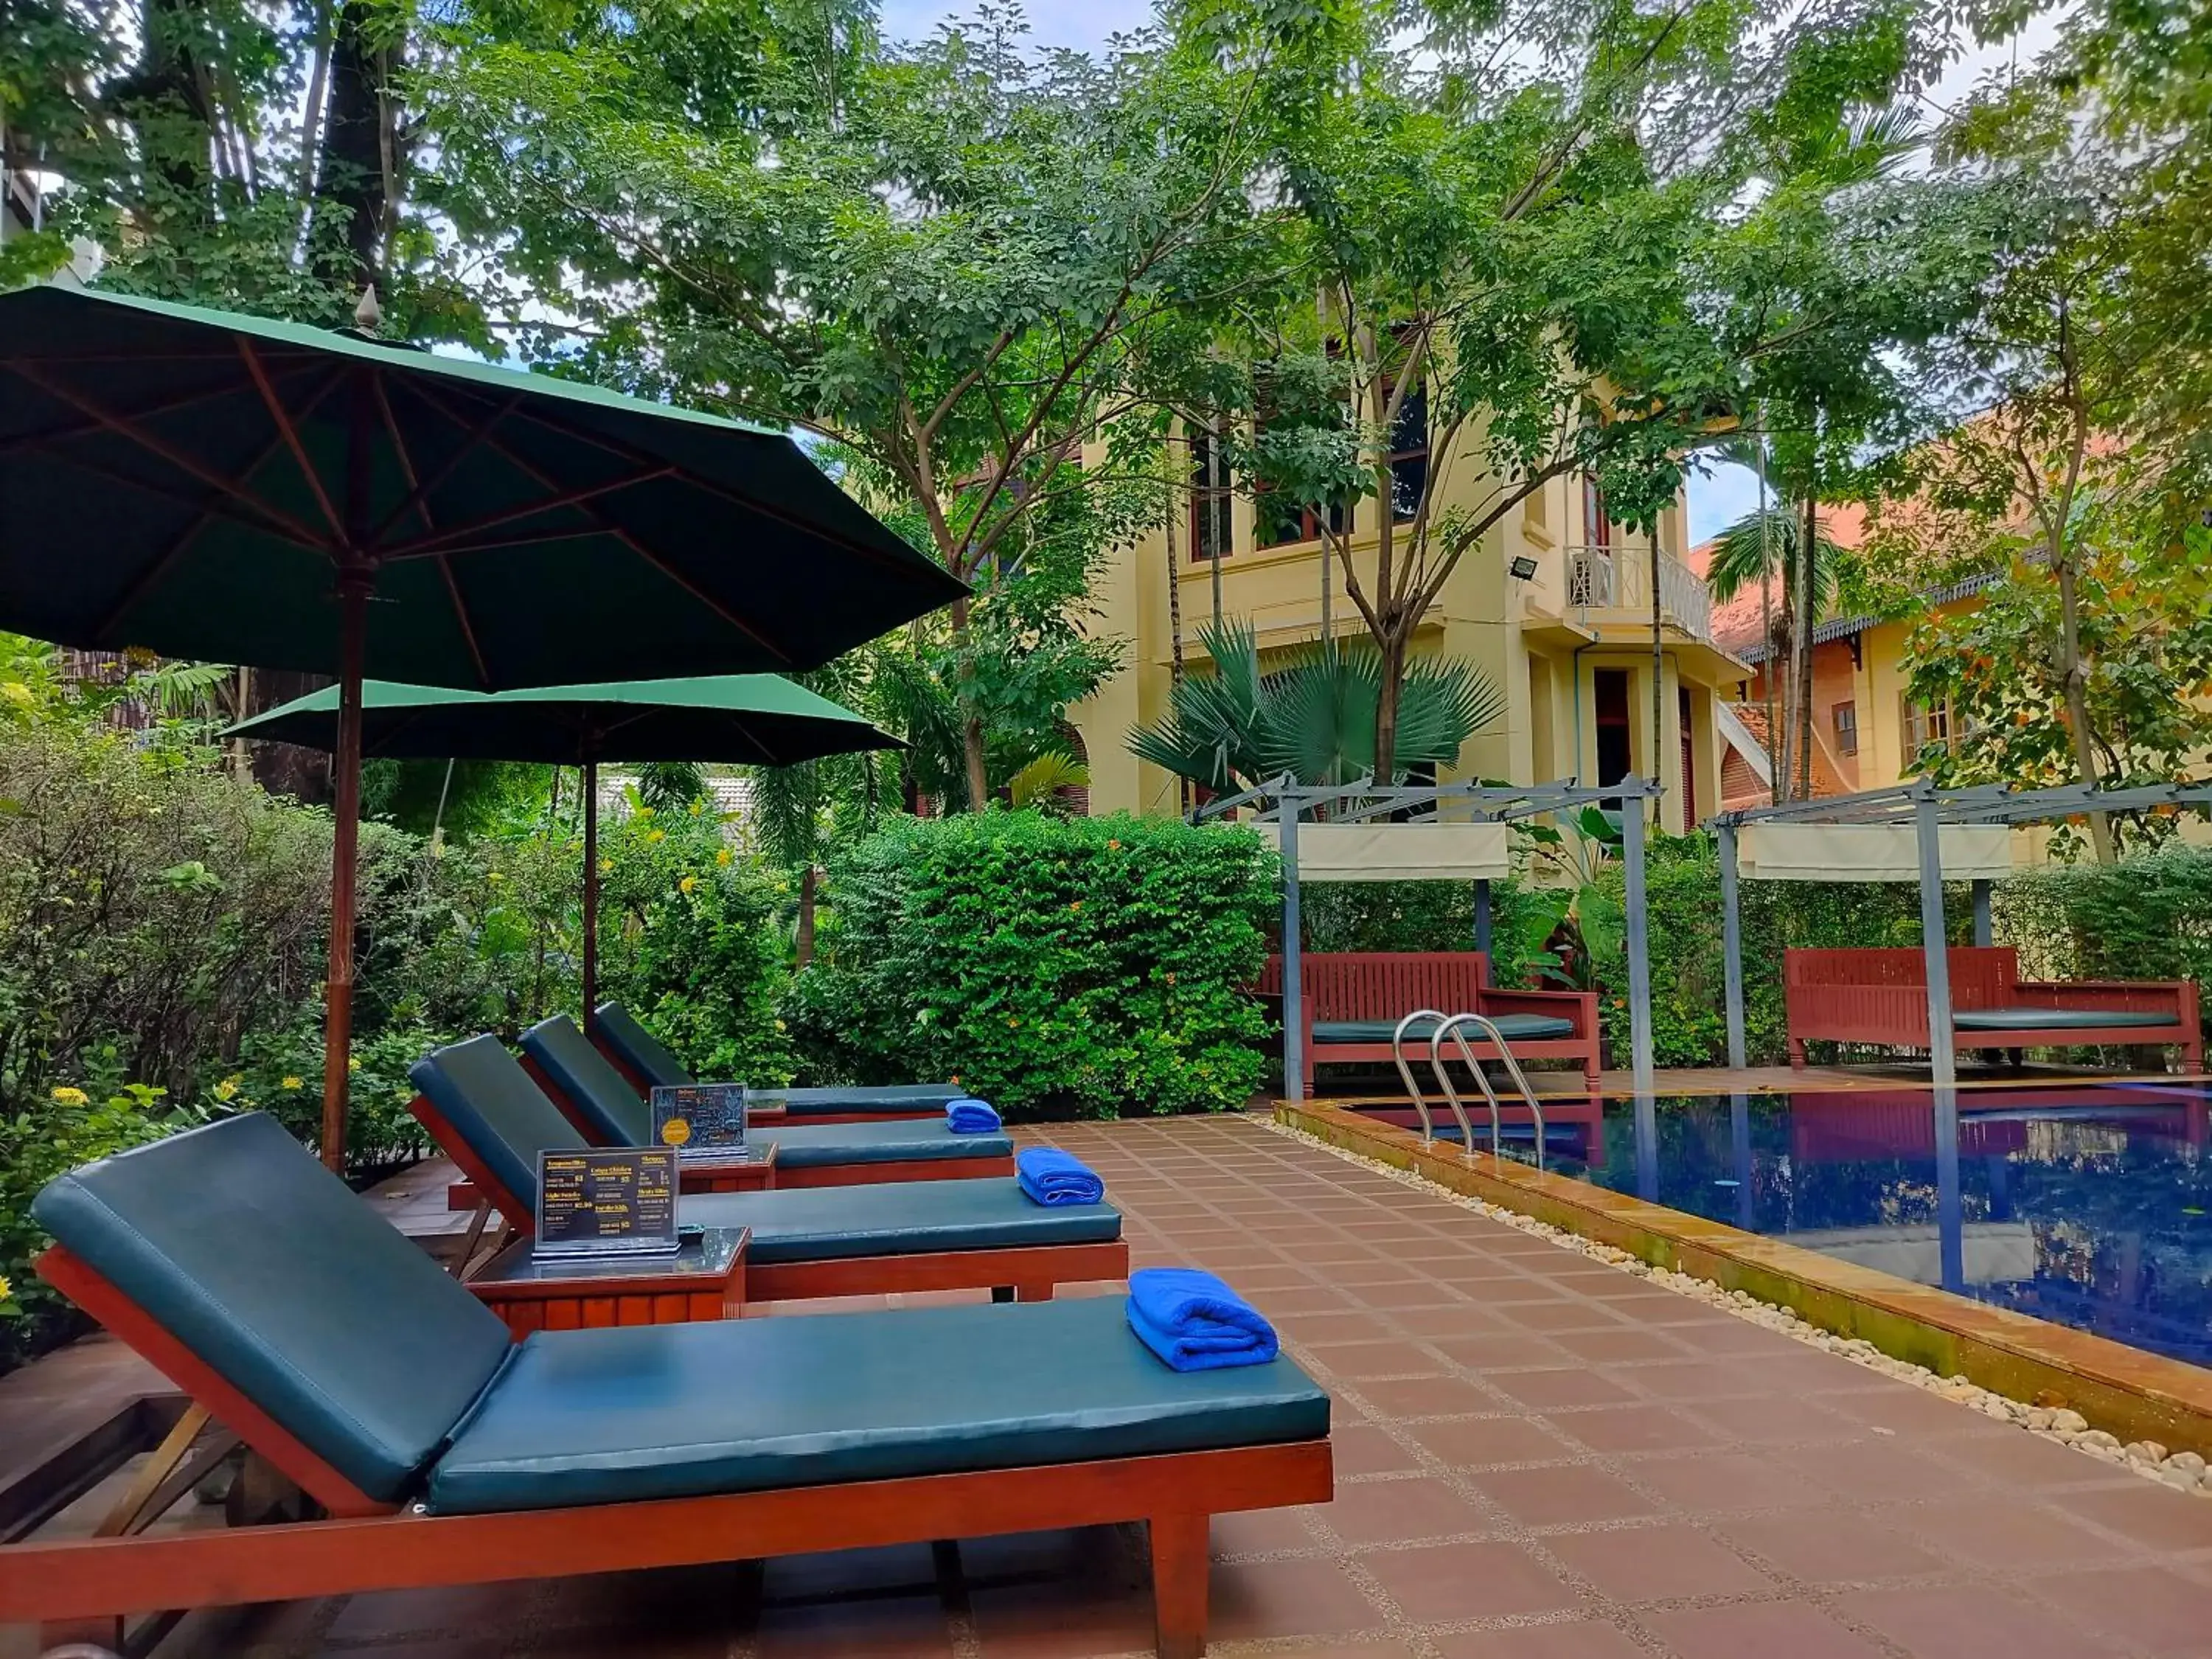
[(1538, 1457)]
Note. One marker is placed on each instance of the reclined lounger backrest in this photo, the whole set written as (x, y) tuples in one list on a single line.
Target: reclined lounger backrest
[(262, 1263), (588, 1078), (483, 1092), (638, 1048)]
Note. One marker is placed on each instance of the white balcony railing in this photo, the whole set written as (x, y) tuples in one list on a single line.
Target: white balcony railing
[(1619, 578)]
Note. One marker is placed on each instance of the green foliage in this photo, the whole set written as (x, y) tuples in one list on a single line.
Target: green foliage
[(2146, 917), (1093, 966), (1315, 718)]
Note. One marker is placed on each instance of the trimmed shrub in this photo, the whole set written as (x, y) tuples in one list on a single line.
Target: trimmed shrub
[(1088, 966)]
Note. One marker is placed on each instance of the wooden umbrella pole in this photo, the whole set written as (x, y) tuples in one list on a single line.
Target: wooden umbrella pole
[(353, 624), (591, 893)]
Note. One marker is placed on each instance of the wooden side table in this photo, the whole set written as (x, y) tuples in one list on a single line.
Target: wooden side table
[(755, 1177), (704, 1279)]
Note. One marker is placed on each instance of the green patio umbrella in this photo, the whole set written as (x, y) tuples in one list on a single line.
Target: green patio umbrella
[(758, 719), (211, 485)]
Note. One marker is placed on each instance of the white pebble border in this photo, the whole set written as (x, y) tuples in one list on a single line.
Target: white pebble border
[(2183, 1471)]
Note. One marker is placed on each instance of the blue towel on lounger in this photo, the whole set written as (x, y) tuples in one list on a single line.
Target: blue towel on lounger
[(1195, 1322), (1049, 1176), (971, 1116)]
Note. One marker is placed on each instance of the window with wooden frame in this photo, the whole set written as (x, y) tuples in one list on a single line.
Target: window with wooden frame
[(1597, 528), (1211, 529), (1408, 456), (1846, 716)]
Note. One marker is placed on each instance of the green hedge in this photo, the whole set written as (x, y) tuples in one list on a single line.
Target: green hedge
[(1088, 966)]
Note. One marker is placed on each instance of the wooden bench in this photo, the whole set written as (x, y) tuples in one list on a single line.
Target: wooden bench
[(1349, 1001), (1880, 997)]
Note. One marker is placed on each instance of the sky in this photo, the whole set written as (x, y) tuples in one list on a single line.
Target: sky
[(1717, 497)]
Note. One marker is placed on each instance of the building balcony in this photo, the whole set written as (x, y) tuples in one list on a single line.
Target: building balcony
[(1612, 586)]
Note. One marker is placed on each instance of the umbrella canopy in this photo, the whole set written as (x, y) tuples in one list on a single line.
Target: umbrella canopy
[(191, 481), (761, 720), (756, 718), (211, 485)]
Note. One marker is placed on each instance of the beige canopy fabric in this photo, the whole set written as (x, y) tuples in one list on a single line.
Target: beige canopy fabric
[(1866, 852), (1399, 852)]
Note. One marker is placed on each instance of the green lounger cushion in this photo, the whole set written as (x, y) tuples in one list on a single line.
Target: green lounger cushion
[(1516, 1028), (828, 1145), (2065, 1019), (861, 1097), (483, 1092), (641, 1051), (269, 1270), (897, 1218), (619, 1118), (620, 1415)]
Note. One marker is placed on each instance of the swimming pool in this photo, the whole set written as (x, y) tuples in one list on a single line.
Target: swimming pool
[(2090, 1207)]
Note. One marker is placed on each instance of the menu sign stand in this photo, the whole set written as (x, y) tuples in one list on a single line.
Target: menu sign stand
[(606, 1201), (703, 1123)]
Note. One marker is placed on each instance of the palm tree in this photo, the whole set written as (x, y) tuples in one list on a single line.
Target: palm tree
[(1315, 718)]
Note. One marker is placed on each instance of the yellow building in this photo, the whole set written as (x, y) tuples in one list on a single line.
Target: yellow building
[(1554, 605)]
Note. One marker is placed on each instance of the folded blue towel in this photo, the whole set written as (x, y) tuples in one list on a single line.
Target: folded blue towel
[(1195, 1322), (971, 1116), (1049, 1176)]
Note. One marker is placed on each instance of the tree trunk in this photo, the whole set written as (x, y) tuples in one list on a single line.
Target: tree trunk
[(971, 723), (1802, 648), (804, 943), (1385, 706), (2074, 673), (1175, 600), (352, 174)]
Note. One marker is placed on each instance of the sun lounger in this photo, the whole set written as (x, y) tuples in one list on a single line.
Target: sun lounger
[(644, 1061), (482, 1108), (594, 1096), (442, 1455)]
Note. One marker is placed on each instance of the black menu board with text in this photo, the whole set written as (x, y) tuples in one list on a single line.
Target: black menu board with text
[(704, 1123), (607, 1200)]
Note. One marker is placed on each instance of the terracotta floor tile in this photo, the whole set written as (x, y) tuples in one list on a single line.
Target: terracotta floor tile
[(1412, 1293), (1912, 1410), (1631, 1428), (1443, 1322), (1389, 1511), (1441, 1583), (1470, 1441), (1759, 1630), (1353, 1360), (1779, 1418), (2030, 1461), (1576, 1639), (1502, 1352), (2150, 1606), (1576, 1387), (1656, 1564), (1990, 1531), (1254, 1600), (1425, 1396), (1692, 1380), (1965, 1621), (1575, 1315), (1621, 1344), (1704, 1332), (1718, 1482), (1317, 1328), (1835, 1546), (1265, 1531), (2150, 1514), (1361, 1450), (1869, 1469), (865, 1627), (1564, 1494)]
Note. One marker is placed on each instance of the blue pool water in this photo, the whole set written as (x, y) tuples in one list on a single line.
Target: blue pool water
[(2090, 1206)]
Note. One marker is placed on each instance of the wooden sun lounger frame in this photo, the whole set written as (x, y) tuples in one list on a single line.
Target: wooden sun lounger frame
[(816, 1175), (83, 1587), (636, 1080), (1026, 1274)]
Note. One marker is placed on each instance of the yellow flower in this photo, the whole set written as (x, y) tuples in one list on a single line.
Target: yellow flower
[(722, 856), (698, 807), (645, 811), (6, 1289), (1077, 905), (353, 1062), (494, 875), (652, 835), (606, 866), (68, 1097), (225, 1088), (1012, 1023), (687, 884), (1113, 846), (781, 1026), (292, 1083)]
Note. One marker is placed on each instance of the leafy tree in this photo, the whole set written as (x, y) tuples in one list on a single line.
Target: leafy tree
[(1314, 718), (970, 271)]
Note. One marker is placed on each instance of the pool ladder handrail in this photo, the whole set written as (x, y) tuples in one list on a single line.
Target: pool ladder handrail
[(1489, 1028), (1406, 1073)]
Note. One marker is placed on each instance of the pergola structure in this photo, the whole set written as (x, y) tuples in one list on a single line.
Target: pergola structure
[(1910, 831), (1394, 851)]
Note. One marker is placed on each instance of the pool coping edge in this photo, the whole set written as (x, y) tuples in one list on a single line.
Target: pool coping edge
[(2128, 1392)]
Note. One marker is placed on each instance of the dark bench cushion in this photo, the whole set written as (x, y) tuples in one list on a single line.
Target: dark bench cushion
[(898, 1217), (861, 1097), (829, 1144), (609, 1416), (261, 1262), (483, 1092), (618, 1115), (1516, 1028), (2065, 1019), (642, 1052)]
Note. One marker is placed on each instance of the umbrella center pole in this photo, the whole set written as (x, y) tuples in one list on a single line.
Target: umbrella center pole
[(591, 894), (354, 585)]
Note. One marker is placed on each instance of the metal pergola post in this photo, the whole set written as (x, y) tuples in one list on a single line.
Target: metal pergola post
[(1482, 924), (1731, 943), (1984, 928), (1294, 1039), (1927, 822), (1639, 958)]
